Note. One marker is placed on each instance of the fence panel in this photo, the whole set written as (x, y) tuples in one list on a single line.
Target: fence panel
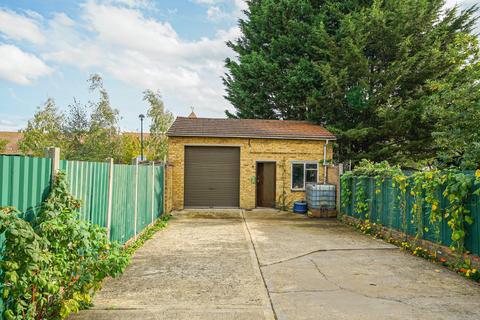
[(24, 183), (386, 207), (123, 203), (88, 182), (158, 199), (144, 203)]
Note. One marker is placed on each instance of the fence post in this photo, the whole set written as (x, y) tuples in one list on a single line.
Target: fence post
[(153, 190), (54, 154), (164, 193), (110, 196), (136, 200)]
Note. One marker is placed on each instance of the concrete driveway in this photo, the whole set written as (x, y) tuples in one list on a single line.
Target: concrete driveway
[(268, 264)]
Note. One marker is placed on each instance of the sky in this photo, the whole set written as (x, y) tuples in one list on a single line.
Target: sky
[(49, 48)]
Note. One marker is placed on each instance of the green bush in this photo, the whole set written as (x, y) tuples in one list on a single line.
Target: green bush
[(53, 266)]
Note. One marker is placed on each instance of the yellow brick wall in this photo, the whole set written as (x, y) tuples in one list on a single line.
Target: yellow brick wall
[(251, 151)]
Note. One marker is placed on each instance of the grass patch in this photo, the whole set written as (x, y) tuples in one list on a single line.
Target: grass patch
[(147, 234)]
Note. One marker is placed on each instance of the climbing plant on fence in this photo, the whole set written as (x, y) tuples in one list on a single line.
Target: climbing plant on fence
[(53, 265), (438, 205)]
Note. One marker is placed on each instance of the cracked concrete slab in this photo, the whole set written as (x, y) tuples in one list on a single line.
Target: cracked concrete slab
[(201, 267), (281, 235), (321, 269), (264, 264)]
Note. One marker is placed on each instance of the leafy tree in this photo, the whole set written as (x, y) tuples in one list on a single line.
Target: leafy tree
[(161, 120), (91, 132), (3, 145), (76, 130), (129, 148), (43, 131), (362, 68), (455, 103), (102, 141)]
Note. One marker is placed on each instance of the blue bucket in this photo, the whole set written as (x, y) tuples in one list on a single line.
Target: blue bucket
[(300, 207)]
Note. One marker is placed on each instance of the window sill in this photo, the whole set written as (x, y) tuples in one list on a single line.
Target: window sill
[(297, 190)]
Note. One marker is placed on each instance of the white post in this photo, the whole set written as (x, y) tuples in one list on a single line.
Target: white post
[(54, 154), (153, 190), (110, 192), (325, 175), (136, 199)]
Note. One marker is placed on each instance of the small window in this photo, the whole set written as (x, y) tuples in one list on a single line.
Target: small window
[(298, 176), (303, 173)]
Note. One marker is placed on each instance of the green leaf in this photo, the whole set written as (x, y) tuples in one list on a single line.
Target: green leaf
[(469, 219)]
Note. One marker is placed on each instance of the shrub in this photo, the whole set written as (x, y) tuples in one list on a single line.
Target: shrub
[(54, 265)]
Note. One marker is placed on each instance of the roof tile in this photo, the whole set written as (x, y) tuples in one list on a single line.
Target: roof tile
[(248, 128)]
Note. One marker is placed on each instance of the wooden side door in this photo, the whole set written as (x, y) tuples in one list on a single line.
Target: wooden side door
[(266, 184)]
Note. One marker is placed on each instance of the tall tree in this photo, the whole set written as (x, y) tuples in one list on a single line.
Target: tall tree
[(455, 103), (129, 148), (76, 131), (161, 120), (85, 132), (43, 131), (361, 68), (102, 141)]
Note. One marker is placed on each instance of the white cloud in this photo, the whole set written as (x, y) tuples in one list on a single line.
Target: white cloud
[(145, 53), (11, 125), (215, 13), (20, 67), (145, 4), (18, 27), (241, 4), (62, 19), (116, 38), (209, 2)]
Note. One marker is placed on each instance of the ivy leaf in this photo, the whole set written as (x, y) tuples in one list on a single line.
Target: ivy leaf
[(457, 235), (469, 219)]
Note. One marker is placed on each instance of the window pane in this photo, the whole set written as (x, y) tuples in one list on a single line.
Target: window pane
[(297, 175), (311, 166), (311, 176)]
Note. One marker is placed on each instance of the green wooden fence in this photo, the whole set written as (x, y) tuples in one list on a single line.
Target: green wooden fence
[(385, 208), (136, 193)]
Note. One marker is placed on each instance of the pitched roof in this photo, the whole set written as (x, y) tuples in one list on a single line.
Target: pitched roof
[(12, 145), (248, 128)]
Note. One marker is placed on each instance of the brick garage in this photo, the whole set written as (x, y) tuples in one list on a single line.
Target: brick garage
[(244, 163)]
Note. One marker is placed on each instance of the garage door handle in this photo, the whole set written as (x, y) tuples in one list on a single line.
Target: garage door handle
[(211, 188)]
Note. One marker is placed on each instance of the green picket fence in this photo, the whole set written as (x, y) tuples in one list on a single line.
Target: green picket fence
[(137, 191), (385, 209)]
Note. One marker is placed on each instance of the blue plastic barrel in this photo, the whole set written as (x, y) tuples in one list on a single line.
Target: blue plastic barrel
[(300, 207)]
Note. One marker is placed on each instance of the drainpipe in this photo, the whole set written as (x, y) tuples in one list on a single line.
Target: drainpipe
[(325, 162)]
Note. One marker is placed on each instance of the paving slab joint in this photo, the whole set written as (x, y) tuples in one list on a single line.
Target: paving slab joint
[(259, 265)]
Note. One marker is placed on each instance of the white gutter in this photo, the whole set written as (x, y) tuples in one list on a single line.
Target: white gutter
[(325, 161)]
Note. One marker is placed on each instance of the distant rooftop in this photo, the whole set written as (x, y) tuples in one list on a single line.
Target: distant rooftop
[(12, 137), (248, 128)]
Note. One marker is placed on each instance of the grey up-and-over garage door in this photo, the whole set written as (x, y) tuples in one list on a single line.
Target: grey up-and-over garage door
[(212, 176)]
